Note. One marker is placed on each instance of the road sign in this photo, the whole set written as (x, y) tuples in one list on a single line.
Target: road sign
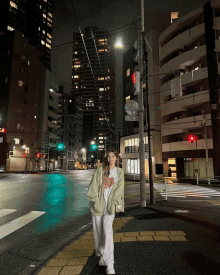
[(131, 107)]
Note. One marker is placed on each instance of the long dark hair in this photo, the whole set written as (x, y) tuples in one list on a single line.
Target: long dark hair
[(106, 169)]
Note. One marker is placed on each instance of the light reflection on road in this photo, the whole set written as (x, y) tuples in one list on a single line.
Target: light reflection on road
[(62, 199)]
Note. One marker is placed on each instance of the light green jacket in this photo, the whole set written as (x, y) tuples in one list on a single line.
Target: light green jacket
[(96, 193)]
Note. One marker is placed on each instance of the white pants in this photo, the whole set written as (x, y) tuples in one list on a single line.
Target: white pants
[(103, 236)]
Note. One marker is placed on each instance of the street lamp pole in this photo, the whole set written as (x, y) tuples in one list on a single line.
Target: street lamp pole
[(141, 106)]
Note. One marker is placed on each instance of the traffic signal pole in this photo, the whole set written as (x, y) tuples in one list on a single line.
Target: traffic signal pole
[(141, 106)]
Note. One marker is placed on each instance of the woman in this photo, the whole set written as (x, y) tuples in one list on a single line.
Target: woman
[(105, 193)]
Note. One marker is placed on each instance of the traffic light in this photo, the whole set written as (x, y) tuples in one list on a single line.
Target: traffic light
[(24, 155), (38, 155), (136, 82), (192, 138), (2, 130), (60, 146), (93, 147)]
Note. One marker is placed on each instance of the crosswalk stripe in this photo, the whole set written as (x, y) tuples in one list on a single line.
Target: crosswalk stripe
[(186, 191), (4, 212), (14, 225)]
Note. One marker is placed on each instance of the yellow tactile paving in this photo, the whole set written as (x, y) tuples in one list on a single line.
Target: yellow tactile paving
[(50, 271), (132, 234), (77, 261), (116, 239), (128, 239), (145, 238), (119, 234), (57, 262), (146, 233), (178, 238), (179, 233), (161, 238), (71, 270), (214, 202), (162, 233)]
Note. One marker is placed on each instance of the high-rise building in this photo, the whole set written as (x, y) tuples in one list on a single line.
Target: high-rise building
[(33, 19), (93, 81), (20, 80)]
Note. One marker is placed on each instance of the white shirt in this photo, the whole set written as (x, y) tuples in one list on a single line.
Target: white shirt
[(107, 191)]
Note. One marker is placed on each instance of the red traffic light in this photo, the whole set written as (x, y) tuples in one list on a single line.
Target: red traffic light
[(38, 155), (25, 155), (192, 138), (134, 79), (2, 130)]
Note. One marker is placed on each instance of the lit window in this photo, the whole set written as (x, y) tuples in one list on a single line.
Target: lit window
[(48, 40), (10, 28), (17, 140), (101, 89), (76, 87), (174, 15), (100, 78), (20, 83), (76, 52), (128, 72), (100, 137), (101, 118), (43, 31), (77, 66), (76, 76), (12, 4), (101, 50), (100, 40), (100, 141), (22, 127), (49, 35), (50, 14), (38, 28), (48, 46), (29, 62), (42, 42), (49, 25), (70, 100), (18, 125), (45, 0), (44, 15), (35, 116), (49, 19)]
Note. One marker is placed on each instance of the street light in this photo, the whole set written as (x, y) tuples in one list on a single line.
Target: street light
[(119, 45)]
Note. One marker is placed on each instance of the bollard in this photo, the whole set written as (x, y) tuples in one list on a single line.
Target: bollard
[(166, 189)]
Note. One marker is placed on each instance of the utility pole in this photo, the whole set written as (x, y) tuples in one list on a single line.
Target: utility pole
[(141, 106), (206, 146)]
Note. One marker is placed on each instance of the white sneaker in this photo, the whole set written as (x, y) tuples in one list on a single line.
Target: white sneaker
[(110, 269), (101, 262)]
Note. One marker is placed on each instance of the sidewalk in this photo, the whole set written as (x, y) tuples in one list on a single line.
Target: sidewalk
[(152, 240)]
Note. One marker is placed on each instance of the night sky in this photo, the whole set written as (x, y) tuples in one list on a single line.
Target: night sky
[(108, 14)]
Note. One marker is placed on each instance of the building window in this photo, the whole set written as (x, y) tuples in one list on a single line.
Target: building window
[(50, 20), (42, 42), (76, 76), (20, 83), (23, 57), (22, 127), (50, 14), (43, 31), (48, 40), (44, 15), (17, 140), (12, 4), (101, 50), (128, 72), (101, 89), (48, 45), (174, 15), (49, 25), (49, 35), (18, 126), (22, 70)]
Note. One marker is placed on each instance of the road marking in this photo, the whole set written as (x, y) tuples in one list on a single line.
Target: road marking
[(4, 212), (14, 225)]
